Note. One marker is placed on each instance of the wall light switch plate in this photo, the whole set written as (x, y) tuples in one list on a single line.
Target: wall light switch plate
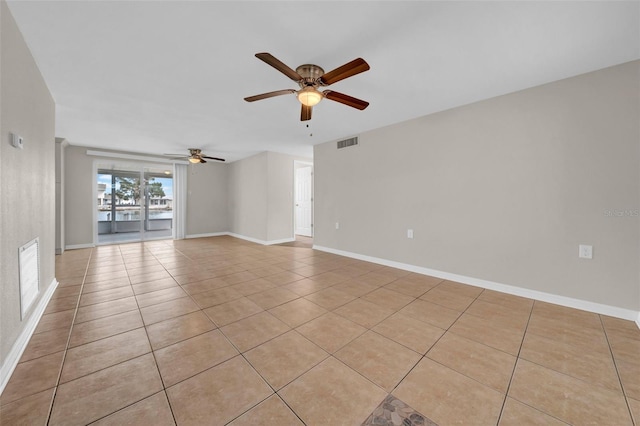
[(337, 225), (409, 233), (585, 251)]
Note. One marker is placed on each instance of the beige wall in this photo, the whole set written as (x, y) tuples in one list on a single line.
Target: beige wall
[(247, 197), (78, 203), (207, 198), (261, 196), (27, 176), (502, 190)]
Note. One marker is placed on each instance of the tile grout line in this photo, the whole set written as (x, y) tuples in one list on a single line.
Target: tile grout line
[(515, 364), (153, 353), (615, 365), (66, 349), (423, 356), (518, 358)]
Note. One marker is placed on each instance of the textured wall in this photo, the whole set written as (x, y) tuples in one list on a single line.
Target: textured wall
[(502, 190), (27, 176), (207, 198)]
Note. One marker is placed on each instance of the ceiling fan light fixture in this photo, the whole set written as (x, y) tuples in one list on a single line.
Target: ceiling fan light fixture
[(309, 96), (194, 160)]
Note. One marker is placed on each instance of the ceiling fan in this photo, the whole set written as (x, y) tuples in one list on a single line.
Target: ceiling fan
[(310, 77), (195, 156)]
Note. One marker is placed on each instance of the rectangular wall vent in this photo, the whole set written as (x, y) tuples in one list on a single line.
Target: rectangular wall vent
[(347, 142), (29, 265)]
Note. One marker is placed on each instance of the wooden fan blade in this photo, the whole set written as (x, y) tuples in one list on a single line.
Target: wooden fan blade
[(213, 158), (280, 66), (305, 113), (201, 160), (269, 95), (347, 70), (346, 99)]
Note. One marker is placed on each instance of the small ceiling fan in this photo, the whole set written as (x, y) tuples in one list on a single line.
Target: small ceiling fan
[(195, 156), (310, 77)]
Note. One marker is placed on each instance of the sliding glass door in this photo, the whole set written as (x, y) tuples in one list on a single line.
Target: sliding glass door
[(134, 204)]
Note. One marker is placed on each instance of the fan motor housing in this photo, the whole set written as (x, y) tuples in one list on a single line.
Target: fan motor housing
[(310, 73)]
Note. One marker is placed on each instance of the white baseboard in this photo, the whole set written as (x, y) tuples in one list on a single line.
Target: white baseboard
[(569, 302), (78, 246), (263, 242), (211, 234), (11, 361)]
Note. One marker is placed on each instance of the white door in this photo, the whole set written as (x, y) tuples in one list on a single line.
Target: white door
[(304, 201)]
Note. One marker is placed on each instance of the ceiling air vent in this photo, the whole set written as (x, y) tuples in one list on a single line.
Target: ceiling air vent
[(347, 142)]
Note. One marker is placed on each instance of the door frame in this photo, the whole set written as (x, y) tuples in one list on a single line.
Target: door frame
[(296, 165)]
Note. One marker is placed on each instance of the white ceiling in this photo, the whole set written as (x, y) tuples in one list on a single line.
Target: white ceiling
[(162, 76)]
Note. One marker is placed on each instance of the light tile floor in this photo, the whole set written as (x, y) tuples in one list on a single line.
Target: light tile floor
[(221, 331)]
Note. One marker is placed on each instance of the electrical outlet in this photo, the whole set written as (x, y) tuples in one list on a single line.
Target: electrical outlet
[(585, 251), (410, 233), (17, 141), (337, 225)]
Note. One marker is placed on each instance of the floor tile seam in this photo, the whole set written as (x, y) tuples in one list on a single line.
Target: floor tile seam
[(453, 293), (262, 343), (243, 354), (105, 316), (534, 408), (274, 306), (232, 322), (460, 336), (133, 277), (252, 407), (300, 324), (105, 368), (66, 349), (181, 340), (356, 372), (529, 311), (629, 325), (108, 300), (502, 304), (420, 358), (504, 394), (167, 387), (443, 305), (155, 361), (149, 263), (573, 376), (93, 421), (112, 288), (107, 281), (405, 346), (515, 364), (576, 346), (162, 301), (362, 325), (96, 269), (4, 404), (106, 337), (340, 347), (615, 365), (498, 319), (572, 323)]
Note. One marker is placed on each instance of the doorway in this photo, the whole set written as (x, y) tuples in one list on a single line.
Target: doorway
[(134, 204), (303, 199)]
